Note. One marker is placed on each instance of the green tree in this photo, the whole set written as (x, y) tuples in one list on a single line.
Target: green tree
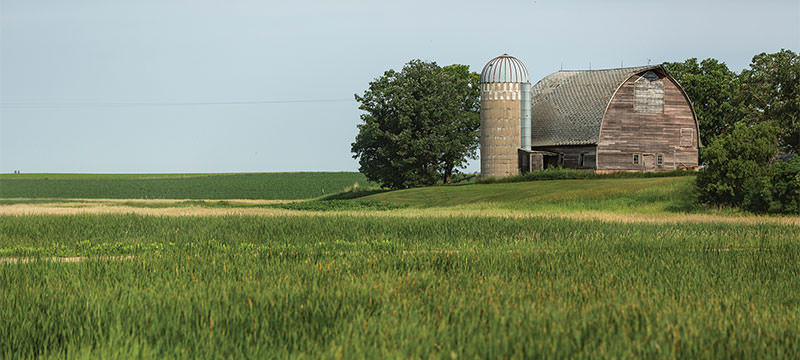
[(419, 124), (734, 159), (714, 91), (776, 192), (771, 92), (463, 135)]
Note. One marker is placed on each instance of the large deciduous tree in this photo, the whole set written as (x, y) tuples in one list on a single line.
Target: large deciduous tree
[(771, 92), (419, 124), (747, 119), (714, 92)]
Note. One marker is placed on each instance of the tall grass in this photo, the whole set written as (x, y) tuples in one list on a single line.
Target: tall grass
[(397, 287)]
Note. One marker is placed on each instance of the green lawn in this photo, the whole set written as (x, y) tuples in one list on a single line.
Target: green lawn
[(299, 185)]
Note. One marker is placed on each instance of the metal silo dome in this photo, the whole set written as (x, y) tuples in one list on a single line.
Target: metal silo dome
[(504, 68)]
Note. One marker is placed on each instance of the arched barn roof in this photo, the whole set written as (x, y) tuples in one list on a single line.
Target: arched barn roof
[(567, 107), (504, 68)]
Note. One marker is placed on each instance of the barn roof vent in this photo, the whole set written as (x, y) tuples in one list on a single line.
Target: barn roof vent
[(505, 68)]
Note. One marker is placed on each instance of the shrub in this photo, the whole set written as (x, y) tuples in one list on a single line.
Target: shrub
[(776, 192), (734, 160), (558, 173)]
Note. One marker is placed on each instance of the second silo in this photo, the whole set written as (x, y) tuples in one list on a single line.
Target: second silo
[(505, 116)]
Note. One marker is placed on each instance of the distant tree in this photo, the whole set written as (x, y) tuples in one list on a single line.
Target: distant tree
[(419, 124), (771, 92), (714, 91)]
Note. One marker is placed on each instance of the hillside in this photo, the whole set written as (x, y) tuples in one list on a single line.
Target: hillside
[(647, 195)]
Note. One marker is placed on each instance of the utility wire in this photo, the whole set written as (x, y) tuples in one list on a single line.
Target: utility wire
[(48, 105)]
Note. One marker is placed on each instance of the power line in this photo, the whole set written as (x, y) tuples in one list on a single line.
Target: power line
[(47, 105)]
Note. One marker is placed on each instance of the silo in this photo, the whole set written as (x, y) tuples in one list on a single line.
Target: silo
[(505, 116)]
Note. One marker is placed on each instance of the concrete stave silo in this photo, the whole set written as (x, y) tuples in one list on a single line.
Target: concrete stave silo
[(505, 116)]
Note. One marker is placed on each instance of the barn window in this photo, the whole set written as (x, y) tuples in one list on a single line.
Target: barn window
[(635, 159), (660, 160), (588, 160), (648, 94)]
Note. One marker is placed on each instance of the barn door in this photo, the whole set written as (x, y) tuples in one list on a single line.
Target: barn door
[(649, 162)]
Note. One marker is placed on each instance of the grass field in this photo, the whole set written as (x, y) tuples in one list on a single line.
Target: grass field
[(488, 270), (672, 194), (299, 185)]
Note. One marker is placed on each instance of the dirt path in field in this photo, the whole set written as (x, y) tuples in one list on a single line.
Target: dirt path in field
[(122, 206)]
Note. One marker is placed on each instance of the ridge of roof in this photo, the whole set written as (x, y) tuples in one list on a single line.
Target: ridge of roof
[(636, 68)]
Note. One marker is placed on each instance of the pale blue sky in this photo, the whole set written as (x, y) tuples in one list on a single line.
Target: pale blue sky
[(79, 79)]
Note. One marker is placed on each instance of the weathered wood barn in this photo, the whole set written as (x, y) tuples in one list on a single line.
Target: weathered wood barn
[(626, 119), (618, 119)]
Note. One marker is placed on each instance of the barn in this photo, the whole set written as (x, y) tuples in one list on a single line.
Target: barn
[(624, 119)]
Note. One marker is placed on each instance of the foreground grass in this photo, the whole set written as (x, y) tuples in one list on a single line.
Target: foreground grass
[(300, 185), (382, 287)]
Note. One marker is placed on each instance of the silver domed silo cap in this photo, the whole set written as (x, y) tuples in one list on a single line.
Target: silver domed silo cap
[(505, 68)]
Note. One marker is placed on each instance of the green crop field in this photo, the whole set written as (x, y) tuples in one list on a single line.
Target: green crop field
[(472, 271), (299, 185)]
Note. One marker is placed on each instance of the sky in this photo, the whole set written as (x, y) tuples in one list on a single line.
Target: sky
[(162, 86)]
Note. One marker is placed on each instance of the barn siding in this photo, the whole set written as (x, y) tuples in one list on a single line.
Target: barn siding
[(625, 132)]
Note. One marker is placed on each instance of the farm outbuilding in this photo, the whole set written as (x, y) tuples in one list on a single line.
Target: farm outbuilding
[(625, 119)]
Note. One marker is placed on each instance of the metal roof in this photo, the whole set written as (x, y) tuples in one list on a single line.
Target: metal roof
[(567, 107), (505, 68)]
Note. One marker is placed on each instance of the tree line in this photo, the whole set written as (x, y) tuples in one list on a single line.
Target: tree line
[(749, 123)]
